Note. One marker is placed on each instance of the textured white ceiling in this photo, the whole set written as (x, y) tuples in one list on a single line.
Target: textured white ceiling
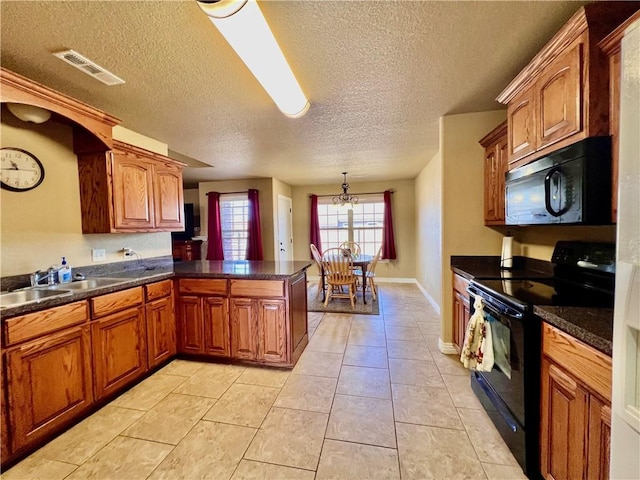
[(378, 74)]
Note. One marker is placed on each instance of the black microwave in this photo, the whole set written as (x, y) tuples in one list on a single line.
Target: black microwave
[(570, 187)]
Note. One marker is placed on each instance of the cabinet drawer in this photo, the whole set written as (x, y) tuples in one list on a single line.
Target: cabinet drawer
[(257, 288), (584, 362), (204, 286), (114, 302), (157, 290), (36, 324), (460, 284)]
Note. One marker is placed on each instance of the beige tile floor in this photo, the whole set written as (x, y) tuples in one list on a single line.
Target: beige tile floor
[(370, 398)]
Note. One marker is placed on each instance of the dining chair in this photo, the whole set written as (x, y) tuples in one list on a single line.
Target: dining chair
[(317, 258), (353, 247), (371, 273), (338, 271)]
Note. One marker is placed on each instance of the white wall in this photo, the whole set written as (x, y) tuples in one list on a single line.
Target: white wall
[(429, 229)]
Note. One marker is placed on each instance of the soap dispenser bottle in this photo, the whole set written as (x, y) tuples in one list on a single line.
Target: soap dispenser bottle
[(64, 274)]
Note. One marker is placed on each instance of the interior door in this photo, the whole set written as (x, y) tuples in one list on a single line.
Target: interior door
[(285, 229)]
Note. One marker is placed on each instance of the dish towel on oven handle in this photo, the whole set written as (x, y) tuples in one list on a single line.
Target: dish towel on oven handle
[(477, 349)]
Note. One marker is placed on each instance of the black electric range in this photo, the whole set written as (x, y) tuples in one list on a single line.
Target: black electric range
[(583, 276)]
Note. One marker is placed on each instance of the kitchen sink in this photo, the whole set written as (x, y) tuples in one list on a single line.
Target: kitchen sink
[(88, 284), (22, 297)]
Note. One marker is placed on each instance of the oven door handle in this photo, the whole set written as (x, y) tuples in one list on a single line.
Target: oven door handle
[(495, 304)]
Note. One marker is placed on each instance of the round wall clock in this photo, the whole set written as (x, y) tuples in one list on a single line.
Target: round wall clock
[(20, 170)]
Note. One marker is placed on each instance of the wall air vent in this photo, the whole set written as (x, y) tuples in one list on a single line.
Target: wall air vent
[(87, 66)]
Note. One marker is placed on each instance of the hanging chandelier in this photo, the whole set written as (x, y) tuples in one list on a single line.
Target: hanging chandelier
[(345, 198)]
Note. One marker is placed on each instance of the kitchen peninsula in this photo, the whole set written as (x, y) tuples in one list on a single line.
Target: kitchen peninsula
[(244, 310), (140, 316)]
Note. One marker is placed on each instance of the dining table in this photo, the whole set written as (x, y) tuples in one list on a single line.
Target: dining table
[(361, 260)]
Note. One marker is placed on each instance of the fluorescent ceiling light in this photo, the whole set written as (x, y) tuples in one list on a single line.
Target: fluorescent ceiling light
[(242, 24)]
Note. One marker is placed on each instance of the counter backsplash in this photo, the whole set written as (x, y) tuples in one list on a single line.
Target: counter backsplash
[(164, 263)]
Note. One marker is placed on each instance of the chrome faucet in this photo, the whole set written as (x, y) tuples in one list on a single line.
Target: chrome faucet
[(39, 275)]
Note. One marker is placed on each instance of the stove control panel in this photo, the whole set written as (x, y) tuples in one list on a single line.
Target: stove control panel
[(587, 255)]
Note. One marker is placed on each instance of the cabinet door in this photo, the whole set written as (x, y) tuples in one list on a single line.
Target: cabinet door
[(599, 439), (458, 334), (119, 350), (5, 448), (460, 318), (502, 153), (216, 326), (48, 384), (161, 331), (495, 167), (272, 331), (521, 126), (168, 198), (132, 192), (492, 187), (244, 332), (563, 424), (190, 325), (559, 100)]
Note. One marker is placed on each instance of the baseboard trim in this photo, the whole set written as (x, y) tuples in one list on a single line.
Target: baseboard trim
[(430, 299), (394, 280), (447, 348)]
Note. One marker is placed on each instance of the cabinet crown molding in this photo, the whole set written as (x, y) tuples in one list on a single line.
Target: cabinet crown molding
[(19, 89), (494, 135), (598, 18)]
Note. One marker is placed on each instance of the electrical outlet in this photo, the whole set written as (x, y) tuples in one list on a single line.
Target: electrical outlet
[(98, 254), (127, 252)]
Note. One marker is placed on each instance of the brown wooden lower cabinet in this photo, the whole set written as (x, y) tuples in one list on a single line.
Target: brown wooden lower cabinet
[(57, 363), (599, 439), (161, 331), (262, 321), (244, 328), (259, 329), (119, 350), (565, 405), (190, 326), (272, 331), (575, 417), (5, 448), (216, 326), (203, 325), (49, 384), (461, 309)]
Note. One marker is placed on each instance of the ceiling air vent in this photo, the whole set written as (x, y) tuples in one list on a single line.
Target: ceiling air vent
[(87, 66)]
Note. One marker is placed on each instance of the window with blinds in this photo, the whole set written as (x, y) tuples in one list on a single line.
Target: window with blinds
[(234, 216), (362, 224)]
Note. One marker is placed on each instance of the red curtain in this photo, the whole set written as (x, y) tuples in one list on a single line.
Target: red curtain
[(388, 242), (254, 242), (314, 231), (214, 234)]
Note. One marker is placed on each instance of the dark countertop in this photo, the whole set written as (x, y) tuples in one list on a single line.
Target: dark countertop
[(593, 326), (265, 270), (193, 269), (478, 266)]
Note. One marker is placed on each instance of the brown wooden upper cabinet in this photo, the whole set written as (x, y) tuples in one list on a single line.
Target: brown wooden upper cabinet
[(495, 167), (130, 189), (562, 95)]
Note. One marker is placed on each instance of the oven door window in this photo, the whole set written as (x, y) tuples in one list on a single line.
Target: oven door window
[(501, 339)]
